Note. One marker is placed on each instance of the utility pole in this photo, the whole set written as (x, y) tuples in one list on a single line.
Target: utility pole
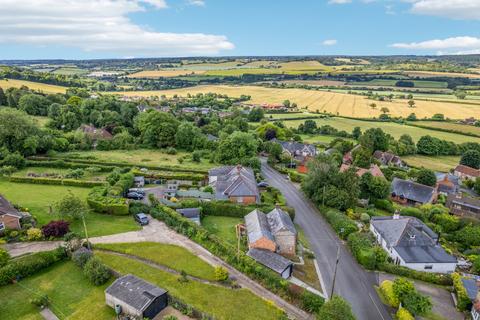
[(335, 270), (323, 198)]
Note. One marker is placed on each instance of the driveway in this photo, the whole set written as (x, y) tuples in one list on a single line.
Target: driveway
[(352, 282)]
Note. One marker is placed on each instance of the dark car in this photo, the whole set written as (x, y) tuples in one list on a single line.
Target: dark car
[(141, 218), (137, 190), (135, 196), (263, 184)]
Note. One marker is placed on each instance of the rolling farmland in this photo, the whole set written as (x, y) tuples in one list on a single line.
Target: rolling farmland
[(47, 88), (164, 73), (332, 102), (466, 129)]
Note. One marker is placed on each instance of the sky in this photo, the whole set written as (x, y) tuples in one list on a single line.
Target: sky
[(91, 29)]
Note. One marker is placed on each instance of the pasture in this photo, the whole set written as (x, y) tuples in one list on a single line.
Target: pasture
[(449, 126), (46, 88), (324, 101), (437, 163), (165, 73), (391, 83), (394, 129), (431, 74)]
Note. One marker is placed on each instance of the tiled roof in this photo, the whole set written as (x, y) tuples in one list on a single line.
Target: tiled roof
[(234, 181), (7, 208), (412, 191), (189, 212), (464, 201), (467, 170), (257, 226), (280, 220), (270, 259)]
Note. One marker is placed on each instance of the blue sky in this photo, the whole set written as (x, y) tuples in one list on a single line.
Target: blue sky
[(79, 29)]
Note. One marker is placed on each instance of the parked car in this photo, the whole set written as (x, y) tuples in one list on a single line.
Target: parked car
[(137, 190), (135, 196), (262, 184), (141, 218)]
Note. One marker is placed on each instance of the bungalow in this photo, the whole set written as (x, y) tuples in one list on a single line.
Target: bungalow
[(136, 297), (374, 170), (10, 218), (190, 213), (466, 173), (273, 261), (407, 192), (462, 205), (389, 159), (273, 231), (410, 243), (234, 183)]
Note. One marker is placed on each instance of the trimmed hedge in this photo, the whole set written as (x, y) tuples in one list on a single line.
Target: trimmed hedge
[(386, 288), (65, 165), (170, 175), (122, 185), (364, 249), (342, 225), (63, 182), (29, 265), (436, 278), (463, 301), (226, 252), (99, 201)]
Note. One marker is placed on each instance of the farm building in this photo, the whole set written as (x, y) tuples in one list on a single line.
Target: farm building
[(410, 243), (466, 172), (191, 213), (273, 231), (407, 192), (136, 297), (234, 183), (462, 205), (273, 261), (10, 218)]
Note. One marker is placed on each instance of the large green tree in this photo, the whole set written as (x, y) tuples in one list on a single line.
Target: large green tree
[(15, 128), (426, 177), (239, 147), (335, 309), (374, 187), (187, 135), (157, 129), (34, 104), (471, 158), (375, 139)]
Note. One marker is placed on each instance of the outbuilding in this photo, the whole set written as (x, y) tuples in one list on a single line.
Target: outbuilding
[(273, 261), (136, 297)]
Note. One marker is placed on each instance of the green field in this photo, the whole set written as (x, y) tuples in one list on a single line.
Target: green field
[(395, 129), (391, 83), (39, 198), (449, 126), (168, 255), (437, 163), (289, 115), (140, 157), (72, 296), (223, 227), (220, 302), (70, 71)]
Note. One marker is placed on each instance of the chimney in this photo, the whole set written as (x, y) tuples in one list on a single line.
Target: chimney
[(396, 215)]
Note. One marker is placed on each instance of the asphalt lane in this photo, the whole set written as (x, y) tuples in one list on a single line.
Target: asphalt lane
[(352, 282)]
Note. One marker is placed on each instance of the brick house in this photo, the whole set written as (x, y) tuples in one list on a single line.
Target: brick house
[(300, 152), (234, 183), (10, 218)]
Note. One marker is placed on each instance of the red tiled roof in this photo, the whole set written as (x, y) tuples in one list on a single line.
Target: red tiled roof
[(466, 170)]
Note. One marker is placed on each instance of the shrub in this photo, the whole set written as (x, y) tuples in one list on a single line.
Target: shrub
[(386, 288), (14, 159), (81, 256), (74, 174), (171, 150), (4, 257), (365, 217), (402, 288), (34, 234), (28, 265), (64, 182), (463, 301), (384, 204), (56, 229), (436, 278), (196, 156), (342, 225), (311, 302), (41, 301), (403, 314), (96, 271), (335, 309), (221, 274), (417, 304), (101, 203)]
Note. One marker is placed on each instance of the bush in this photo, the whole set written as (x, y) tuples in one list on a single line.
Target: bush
[(365, 251), (311, 302), (41, 301), (431, 277), (4, 257), (15, 160), (64, 182), (463, 301), (96, 271), (171, 150), (99, 202), (335, 309), (386, 288), (365, 217), (342, 225), (384, 204), (417, 304), (34, 234), (56, 229), (403, 314), (221, 274), (75, 174), (81, 256), (402, 288), (29, 265)]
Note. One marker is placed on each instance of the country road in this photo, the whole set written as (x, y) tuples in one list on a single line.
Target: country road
[(352, 282)]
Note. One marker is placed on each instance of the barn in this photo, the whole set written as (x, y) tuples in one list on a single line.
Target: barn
[(136, 297)]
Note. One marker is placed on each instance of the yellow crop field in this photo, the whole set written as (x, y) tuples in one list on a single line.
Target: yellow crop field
[(163, 73), (333, 102), (47, 88)]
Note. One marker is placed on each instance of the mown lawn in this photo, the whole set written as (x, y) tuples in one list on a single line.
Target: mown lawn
[(39, 198), (222, 303), (223, 227), (141, 157), (172, 256), (437, 163), (71, 295)]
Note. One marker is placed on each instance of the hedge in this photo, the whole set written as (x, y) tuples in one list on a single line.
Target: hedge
[(122, 185), (230, 209), (99, 201), (29, 265), (342, 225), (63, 182), (386, 288), (117, 164), (463, 301), (404, 314), (365, 251), (436, 278), (65, 165), (226, 252), (169, 175)]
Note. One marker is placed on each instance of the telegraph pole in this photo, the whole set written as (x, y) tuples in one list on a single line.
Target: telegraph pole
[(335, 271)]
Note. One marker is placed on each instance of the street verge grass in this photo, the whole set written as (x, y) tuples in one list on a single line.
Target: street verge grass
[(171, 256), (220, 302)]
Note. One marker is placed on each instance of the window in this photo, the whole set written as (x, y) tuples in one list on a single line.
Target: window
[(2, 226), (428, 267)]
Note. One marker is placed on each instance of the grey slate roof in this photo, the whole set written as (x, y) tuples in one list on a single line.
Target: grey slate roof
[(412, 191), (7, 208), (189, 212), (412, 239), (211, 137), (464, 201), (297, 148), (236, 181), (134, 291), (257, 226), (280, 220), (471, 287), (270, 259)]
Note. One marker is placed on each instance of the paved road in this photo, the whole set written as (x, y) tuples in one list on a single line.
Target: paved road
[(352, 282)]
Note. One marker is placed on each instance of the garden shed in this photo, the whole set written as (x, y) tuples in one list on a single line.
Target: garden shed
[(136, 297)]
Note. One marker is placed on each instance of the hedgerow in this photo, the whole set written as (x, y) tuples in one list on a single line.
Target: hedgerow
[(63, 182)]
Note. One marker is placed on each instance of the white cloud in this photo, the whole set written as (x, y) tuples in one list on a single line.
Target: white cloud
[(339, 1), (444, 44), (454, 9), (98, 25), (198, 3), (330, 42)]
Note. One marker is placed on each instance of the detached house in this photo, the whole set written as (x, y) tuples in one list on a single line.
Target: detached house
[(410, 243), (301, 152), (466, 172), (461, 205), (407, 192), (95, 133), (388, 159), (234, 183), (374, 170), (10, 218)]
